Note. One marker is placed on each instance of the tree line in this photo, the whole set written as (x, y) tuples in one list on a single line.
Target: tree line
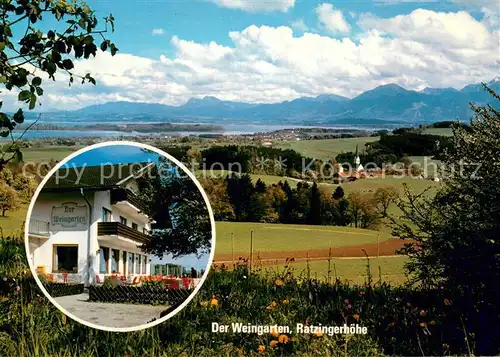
[(237, 198), (16, 188)]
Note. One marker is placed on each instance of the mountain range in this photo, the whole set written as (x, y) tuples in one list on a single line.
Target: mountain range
[(390, 104)]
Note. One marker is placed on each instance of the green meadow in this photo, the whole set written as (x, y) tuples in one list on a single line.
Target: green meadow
[(270, 237), (328, 148), (386, 269)]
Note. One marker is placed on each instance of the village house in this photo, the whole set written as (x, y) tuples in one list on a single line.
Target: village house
[(87, 223)]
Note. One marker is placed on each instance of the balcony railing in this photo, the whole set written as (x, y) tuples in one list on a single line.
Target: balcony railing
[(126, 195), (120, 229), (39, 227)]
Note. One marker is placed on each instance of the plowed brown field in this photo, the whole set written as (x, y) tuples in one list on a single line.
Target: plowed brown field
[(385, 248)]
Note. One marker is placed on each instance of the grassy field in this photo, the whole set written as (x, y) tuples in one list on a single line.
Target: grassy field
[(328, 148), (13, 221), (47, 153), (427, 164), (388, 269), (288, 238), (439, 131)]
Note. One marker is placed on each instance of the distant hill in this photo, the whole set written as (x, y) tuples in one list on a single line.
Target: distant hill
[(388, 103)]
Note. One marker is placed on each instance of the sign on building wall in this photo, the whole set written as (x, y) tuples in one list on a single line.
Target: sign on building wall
[(69, 215)]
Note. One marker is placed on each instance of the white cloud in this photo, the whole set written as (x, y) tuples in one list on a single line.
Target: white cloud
[(271, 64), (331, 19), (257, 5), (491, 18), (456, 30), (158, 32), (299, 25)]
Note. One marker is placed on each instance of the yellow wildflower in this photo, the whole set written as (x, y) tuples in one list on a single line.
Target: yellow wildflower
[(273, 344), (214, 302), (356, 316), (283, 339), (261, 349), (318, 333)]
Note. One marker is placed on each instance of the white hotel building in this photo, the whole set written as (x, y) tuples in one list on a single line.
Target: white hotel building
[(88, 224)]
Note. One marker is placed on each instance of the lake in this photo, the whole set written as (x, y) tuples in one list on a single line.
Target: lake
[(229, 129)]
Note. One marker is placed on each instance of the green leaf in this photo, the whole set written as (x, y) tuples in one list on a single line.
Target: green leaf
[(55, 56), (18, 156), (32, 102), (19, 116), (24, 95), (68, 64), (2, 46), (4, 134), (36, 81), (88, 40), (104, 46), (39, 91), (4, 119)]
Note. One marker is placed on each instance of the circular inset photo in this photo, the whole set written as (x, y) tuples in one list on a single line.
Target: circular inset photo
[(120, 236)]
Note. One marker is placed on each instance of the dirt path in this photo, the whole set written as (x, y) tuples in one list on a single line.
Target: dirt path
[(387, 248)]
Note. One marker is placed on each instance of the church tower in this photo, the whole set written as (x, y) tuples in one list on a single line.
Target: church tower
[(357, 162)]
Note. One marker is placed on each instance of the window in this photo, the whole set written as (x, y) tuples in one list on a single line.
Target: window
[(103, 260), (144, 262), (115, 258), (137, 266), (134, 226), (65, 258), (123, 220), (130, 263), (106, 215), (124, 263)]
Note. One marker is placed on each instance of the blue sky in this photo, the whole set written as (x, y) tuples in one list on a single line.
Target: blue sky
[(114, 154), (117, 154), (274, 50)]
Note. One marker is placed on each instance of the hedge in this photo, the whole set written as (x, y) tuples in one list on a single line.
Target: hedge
[(138, 294), (63, 289)]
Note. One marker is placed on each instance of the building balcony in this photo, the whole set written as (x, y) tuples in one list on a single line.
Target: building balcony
[(39, 228), (121, 230)]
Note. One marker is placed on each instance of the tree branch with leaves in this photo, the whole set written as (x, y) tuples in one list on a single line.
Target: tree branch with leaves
[(27, 54)]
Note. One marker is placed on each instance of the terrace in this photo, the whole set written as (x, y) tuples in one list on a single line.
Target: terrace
[(121, 230), (39, 228)]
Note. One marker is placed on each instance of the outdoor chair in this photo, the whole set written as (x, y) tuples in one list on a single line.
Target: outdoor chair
[(187, 282), (65, 277), (171, 283)]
